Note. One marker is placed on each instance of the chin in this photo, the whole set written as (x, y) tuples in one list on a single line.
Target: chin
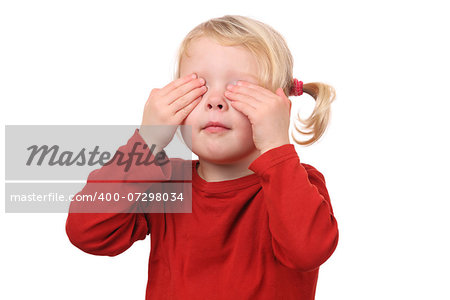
[(222, 156), (217, 157)]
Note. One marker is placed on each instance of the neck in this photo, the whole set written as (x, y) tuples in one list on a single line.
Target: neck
[(213, 172)]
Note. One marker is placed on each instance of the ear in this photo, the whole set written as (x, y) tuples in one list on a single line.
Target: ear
[(281, 93)]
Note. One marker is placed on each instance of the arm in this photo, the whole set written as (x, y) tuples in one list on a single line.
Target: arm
[(111, 232), (301, 221)]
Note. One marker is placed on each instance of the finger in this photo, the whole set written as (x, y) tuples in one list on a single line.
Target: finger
[(177, 83), (183, 90), (186, 110), (185, 100), (259, 94), (251, 88), (244, 108), (249, 100)]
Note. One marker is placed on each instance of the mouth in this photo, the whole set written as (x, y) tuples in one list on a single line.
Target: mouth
[(213, 127), (216, 125)]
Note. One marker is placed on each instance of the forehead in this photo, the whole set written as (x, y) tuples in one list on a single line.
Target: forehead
[(207, 57)]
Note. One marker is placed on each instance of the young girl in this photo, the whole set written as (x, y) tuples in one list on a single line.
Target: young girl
[(261, 221)]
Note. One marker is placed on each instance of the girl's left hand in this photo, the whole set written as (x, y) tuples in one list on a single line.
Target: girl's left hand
[(268, 113)]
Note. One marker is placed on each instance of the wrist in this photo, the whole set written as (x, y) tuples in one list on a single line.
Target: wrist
[(156, 147), (273, 146)]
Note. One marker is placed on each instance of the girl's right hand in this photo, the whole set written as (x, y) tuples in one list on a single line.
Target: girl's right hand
[(170, 106)]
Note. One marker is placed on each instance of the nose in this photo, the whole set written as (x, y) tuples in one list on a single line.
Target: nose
[(214, 99)]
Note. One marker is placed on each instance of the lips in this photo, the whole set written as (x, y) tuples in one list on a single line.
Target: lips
[(215, 124)]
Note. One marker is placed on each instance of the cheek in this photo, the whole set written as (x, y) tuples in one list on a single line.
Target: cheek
[(187, 136), (244, 131), (244, 122), (248, 129), (189, 120)]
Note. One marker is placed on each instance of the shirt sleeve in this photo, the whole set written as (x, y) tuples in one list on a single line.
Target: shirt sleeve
[(115, 225), (301, 220)]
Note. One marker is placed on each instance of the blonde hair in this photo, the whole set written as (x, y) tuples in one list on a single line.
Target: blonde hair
[(275, 64)]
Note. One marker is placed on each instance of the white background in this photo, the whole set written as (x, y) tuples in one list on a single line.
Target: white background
[(384, 155)]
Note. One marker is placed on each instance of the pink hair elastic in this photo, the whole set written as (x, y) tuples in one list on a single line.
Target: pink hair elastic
[(297, 87)]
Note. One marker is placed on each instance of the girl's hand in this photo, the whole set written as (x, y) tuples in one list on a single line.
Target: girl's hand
[(170, 106), (268, 113)]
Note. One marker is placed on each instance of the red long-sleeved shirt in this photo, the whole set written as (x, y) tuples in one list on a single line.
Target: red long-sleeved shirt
[(262, 236)]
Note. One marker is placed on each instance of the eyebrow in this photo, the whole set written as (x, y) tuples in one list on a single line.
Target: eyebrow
[(248, 75)]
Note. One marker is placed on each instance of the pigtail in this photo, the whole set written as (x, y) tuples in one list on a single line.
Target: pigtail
[(317, 122)]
